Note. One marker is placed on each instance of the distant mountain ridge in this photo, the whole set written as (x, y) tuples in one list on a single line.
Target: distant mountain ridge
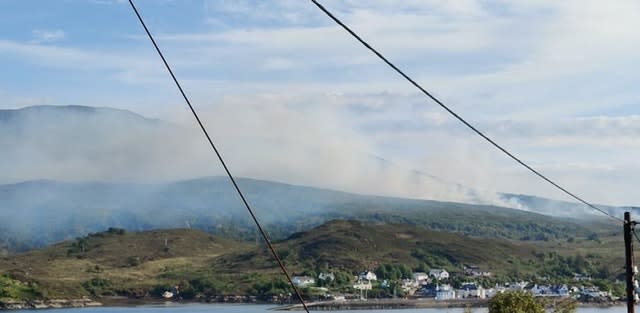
[(48, 111), (76, 142), (38, 213), (62, 141)]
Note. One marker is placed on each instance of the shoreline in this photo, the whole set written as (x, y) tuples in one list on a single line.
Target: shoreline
[(386, 304), (368, 304), (394, 304), (8, 304)]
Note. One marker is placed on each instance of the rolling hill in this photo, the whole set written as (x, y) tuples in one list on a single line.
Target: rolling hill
[(130, 263), (354, 245), (120, 263)]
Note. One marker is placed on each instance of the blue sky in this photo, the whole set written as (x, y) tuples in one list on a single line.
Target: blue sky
[(553, 81)]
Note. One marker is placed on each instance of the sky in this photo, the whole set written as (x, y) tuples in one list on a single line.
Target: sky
[(291, 97)]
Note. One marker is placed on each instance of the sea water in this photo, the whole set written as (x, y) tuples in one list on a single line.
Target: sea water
[(250, 308)]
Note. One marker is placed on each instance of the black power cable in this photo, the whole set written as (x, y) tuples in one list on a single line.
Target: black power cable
[(458, 117), (224, 165)]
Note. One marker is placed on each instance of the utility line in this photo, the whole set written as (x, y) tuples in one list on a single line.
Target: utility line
[(633, 231), (458, 117), (224, 165)]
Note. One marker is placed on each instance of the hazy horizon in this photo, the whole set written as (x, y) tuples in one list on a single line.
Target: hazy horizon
[(290, 97)]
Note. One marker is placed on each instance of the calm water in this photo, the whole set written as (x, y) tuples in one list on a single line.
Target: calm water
[(241, 308)]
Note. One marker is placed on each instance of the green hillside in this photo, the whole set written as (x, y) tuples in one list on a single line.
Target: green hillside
[(354, 246), (119, 263), (115, 262), (477, 220)]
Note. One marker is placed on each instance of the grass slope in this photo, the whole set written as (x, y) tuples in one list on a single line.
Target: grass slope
[(140, 264), (354, 245), (121, 262)]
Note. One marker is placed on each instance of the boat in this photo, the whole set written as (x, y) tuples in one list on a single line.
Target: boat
[(167, 294)]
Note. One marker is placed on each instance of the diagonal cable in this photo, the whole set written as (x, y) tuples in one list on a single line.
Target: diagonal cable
[(224, 165), (458, 117)]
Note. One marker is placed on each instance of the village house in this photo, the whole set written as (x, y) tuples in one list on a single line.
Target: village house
[(593, 292), (368, 275), (562, 290), (303, 281), (420, 277), (429, 290), (440, 274), (550, 290), (409, 286), (471, 290), (491, 292), (445, 292), (581, 277), (539, 290), (515, 286), (326, 276), (475, 271)]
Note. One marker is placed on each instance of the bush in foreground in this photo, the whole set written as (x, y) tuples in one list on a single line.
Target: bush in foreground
[(515, 302)]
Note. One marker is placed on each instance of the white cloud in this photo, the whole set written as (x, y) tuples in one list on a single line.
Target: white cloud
[(115, 64), (277, 64), (107, 2), (479, 60), (45, 36), (265, 13), (537, 76)]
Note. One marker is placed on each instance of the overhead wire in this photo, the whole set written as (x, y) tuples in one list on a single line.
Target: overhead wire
[(633, 231), (457, 116), (396, 69), (224, 165)]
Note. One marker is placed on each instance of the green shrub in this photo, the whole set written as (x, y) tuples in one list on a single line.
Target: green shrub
[(273, 287), (133, 261), (515, 302), (98, 286)]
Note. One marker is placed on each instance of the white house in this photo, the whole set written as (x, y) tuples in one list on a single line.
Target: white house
[(541, 290), (518, 285), (439, 274), (368, 275), (445, 292), (420, 276), (409, 283), (471, 290), (303, 281), (512, 286), (474, 270), (593, 292), (581, 277), (326, 276), (562, 290)]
